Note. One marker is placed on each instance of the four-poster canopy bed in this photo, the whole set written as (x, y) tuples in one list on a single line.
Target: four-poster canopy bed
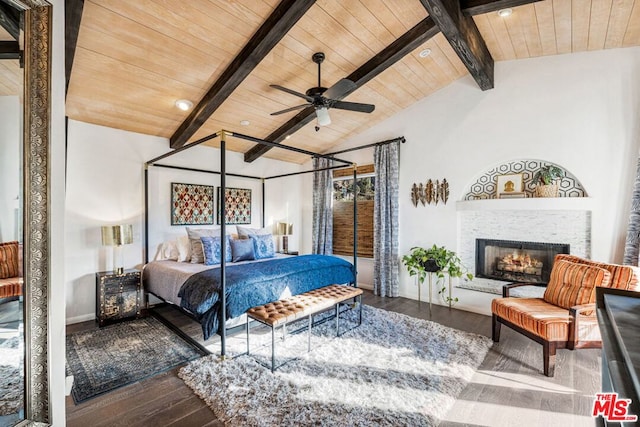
[(205, 294)]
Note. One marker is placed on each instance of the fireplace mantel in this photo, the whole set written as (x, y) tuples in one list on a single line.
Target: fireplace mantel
[(528, 204)]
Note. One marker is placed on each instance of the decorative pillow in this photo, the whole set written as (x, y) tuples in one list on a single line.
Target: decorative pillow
[(212, 250), (184, 249), (242, 250), (245, 232), (574, 284), (9, 260), (197, 256), (170, 250), (263, 246)]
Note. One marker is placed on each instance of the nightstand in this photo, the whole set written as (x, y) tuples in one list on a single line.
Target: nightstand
[(118, 296)]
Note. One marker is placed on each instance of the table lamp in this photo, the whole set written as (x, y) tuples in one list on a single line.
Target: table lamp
[(116, 236), (285, 230)]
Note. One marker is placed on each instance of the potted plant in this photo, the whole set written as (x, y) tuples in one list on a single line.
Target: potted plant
[(546, 178), (438, 260)]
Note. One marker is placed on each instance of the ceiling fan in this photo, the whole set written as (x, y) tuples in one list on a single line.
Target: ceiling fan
[(321, 98)]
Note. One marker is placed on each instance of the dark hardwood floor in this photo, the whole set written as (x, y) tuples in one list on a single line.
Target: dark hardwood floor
[(507, 390)]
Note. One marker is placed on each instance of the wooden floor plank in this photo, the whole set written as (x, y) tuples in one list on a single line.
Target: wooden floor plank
[(507, 389)]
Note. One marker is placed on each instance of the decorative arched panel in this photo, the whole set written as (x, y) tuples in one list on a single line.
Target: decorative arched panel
[(485, 186)]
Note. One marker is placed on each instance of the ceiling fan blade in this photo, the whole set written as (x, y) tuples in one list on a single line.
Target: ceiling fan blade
[(341, 89), (286, 110), (292, 92), (352, 106)]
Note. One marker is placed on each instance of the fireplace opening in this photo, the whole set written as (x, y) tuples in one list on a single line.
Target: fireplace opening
[(516, 261)]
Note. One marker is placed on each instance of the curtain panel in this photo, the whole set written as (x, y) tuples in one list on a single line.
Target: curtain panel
[(322, 238), (385, 220)]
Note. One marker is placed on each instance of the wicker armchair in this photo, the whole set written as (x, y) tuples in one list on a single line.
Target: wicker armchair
[(565, 316)]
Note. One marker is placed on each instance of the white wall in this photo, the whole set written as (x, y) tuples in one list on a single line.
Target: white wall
[(10, 171), (105, 186), (580, 111)]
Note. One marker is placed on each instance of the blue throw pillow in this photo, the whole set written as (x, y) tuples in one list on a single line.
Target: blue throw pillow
[(242, 250), (212, 249), (263, 246)]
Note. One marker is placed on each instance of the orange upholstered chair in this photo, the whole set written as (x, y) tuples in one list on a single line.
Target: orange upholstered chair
[(565, 316), (10, 270)]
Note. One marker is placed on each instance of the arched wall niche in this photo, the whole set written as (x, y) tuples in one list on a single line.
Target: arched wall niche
[(484, 187)]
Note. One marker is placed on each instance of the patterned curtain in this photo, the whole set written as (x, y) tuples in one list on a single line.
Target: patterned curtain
[(322, 239), (632, 244), (385, 220)]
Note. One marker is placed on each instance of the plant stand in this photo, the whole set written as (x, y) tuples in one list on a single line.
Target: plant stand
[(430, 285), (449, 300)]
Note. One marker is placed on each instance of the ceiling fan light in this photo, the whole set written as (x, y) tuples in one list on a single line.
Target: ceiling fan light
[(322, 113), (184, 104)]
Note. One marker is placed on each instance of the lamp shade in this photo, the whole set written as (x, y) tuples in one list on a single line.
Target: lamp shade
[(117, 235), (323, 116), (285, 229)]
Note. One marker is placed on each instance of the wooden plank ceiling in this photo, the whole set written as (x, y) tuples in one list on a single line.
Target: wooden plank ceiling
[(135, 59)]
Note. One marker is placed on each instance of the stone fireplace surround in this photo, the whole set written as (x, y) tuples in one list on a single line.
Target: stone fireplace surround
[(552, 220)]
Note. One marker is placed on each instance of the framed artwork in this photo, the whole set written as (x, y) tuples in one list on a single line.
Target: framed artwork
[(237, 204), (510, 186), (191, 204)]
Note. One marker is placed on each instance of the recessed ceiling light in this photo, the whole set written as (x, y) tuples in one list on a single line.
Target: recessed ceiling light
[(184, 104), (287, 137), (245, 122), (503, 13), (424, 53)]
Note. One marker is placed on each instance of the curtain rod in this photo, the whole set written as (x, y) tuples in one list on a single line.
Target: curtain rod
[(375, 144)]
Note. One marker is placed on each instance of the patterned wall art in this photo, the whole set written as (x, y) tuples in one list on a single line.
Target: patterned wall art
[(485, 187), (431, 192), (238, 205), (191, 204)]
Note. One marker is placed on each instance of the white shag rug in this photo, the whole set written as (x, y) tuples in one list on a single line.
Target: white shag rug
[(392, 370), (11, 376)]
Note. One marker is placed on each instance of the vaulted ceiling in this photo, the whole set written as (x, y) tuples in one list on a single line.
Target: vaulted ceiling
[(134, 59)]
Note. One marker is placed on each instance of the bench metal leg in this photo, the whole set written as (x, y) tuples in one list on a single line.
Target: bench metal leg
[(247, 334), (360, 314), (273, 348), (338, 319), (309, 341)]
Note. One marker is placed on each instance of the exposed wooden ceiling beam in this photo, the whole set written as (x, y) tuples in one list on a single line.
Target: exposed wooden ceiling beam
[(478, 7), (465, 39), (277, 25), (72, 18), (10, 20), (408, 42), (10, 50)]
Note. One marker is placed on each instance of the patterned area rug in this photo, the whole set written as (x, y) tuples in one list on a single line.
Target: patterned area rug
[(392, 370), (11, 376), (496, 288), (104, 359)]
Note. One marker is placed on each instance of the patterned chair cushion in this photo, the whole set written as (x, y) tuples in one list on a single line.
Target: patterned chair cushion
[(534, 315), (11, 287), (622, 276), (574, 284), (9, 260)]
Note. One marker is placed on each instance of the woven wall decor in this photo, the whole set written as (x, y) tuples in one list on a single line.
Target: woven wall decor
[(485, 186)]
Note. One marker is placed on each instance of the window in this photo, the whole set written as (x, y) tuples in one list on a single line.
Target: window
[(343, 211)]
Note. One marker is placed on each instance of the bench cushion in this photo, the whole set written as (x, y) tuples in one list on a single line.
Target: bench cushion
[(298, 306)]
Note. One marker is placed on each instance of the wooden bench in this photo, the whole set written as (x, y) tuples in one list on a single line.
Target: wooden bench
[(285, 311)]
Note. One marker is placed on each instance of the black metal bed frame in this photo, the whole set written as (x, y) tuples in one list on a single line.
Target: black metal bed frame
[(223, 134)]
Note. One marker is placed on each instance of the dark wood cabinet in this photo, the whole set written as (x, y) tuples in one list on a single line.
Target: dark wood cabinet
[(118, 296)]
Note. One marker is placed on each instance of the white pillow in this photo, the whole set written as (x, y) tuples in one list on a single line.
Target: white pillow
[(197, 254), (243, 232), (170, 250), (184, 249)]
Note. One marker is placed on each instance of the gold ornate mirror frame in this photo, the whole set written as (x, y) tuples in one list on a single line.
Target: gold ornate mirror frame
[(37, 118)]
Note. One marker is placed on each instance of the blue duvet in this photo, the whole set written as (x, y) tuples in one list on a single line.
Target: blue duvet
[(258, 283)]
